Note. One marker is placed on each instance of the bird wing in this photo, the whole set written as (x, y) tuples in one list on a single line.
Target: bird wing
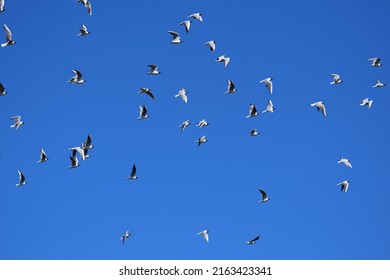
[(133, 171), (174, 34), (88, 6), (8, 33), (16, 119), (2, 89), (263, 193), (152, 67), (77, 73)]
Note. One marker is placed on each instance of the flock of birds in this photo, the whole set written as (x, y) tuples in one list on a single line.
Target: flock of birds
[(83, 150)]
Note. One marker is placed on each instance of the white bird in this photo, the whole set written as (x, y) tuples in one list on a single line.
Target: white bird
[(367, 102), (8, 37), (2, 90), (17, 122), (223, 59), (320, 107), (143, 113), (270, 107), (201, 140), (88, 143), (2, 2), (183, 94), (211, 45), (254, 132), (345, 161), (197, 16), (375, 62), (268, 84), (80, 150), (43, 156), (336, 79), (205, 234), (253, 241), (344, 185), (147, 91), (125, 236), (133, 174), (74, 162), (264, 197), (83, 31), (252, 111), (231, 87), (153, 69), (187, 24), (379, 84), (77, 78), (22, 179), (176, 37), (202, 123), (87, 5), (184, 125)]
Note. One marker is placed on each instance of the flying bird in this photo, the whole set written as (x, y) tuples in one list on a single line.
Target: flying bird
[(211, 45), (201, 140), (367, 102), (2, 90), (2, 2), (231, 87), (223, 59), (320, 107), (153, 69), (375, 62), (254, 132), (336, 79), (252, 111), (143, 113), (8, 37), (270, 107), (176, 37), (184, 125), (83, 31), (268, 84), (183, 94), (87, 5), (17, 122), (74, 162), (379, 84), (345, 161), (147, 91), (202, 123), (187, 24), (88, 143), (253, 241), (197, 16), (125, 236), (22, 179), (344, 185), (264, 197), (77, 78), (205, 234), (133, 174), (43, 156)]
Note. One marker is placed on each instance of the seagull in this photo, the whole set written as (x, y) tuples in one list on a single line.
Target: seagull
[(375, 62), (80, 150), (270, 107), (143, 112), (211, 45), (77, 78), (366, 102), (231, 87), (146, 91), (202, 123), (254, 132), (17, 122), (223, 59), (8, 37), (182, 93), (252, 111), (345, 161), (176, 37), (74, 162), (253, 241), (88, 143), (379, 84), (2, 6), (133, 175), (268, 84), (197, 16), (201, 140), (153, 69), (2, 90), (87, 5), (125, 236), (43, 156), (83, 31), (264, 198), (320, 107), (184, 125), (205, 234), (187, 24), (336, 79), (22, 179), (344, 185)]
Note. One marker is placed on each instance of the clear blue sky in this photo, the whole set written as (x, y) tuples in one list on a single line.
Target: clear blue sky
[(183, 189)]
